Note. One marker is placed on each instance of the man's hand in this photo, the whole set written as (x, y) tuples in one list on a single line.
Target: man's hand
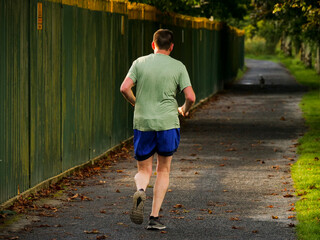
[(182, 112)]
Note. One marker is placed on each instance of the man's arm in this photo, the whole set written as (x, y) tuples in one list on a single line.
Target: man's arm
[(126, 90), (190, 98)]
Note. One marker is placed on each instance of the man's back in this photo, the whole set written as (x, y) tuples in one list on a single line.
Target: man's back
[(158, 77)]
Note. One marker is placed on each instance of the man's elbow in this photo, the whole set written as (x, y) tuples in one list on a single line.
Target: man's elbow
[(123, 89)]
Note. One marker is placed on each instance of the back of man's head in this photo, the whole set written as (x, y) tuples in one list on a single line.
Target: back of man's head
[(163, 38)]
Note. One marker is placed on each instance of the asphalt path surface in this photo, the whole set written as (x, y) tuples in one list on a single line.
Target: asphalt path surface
[(230, 177)]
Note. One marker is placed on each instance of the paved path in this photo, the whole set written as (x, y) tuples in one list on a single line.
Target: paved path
[(230, 177)]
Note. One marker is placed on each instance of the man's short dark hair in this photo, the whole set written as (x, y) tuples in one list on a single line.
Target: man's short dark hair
[(163, 38)]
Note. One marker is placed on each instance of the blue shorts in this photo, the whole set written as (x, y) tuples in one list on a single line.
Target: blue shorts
[(147, 143)]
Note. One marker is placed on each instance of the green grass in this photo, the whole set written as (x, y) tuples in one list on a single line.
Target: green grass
[(306, 171)]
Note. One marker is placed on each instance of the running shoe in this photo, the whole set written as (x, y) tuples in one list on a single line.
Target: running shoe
[(155, 224), (136, 214)]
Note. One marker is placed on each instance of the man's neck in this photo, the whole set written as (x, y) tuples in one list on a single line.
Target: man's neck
[(161, 51)]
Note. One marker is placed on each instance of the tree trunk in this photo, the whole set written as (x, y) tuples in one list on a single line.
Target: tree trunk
[(302, 52), (308, 57), (288, 47), (317, 64)]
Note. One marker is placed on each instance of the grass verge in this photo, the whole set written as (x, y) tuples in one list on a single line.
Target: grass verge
[(306, 171)]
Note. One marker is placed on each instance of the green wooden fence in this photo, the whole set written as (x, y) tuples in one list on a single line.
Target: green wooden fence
[(60, 104)]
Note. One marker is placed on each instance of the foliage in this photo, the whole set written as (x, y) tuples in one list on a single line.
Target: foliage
[(189, 7), (229, 11), (299, 19), (255, 46), (226, 10), (307, 10)]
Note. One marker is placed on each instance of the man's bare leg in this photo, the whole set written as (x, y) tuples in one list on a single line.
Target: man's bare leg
[(162, 183), (142, 178)]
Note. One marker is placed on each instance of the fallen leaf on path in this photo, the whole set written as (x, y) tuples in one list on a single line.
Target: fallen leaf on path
[(222, 165), (175, 211), (282, 118), (85, 198), (93, 231), (235, 219), (117, 191), (122, 224), (228, 211), (270, 206), (43, 225), (275, 217), (255, 231), (290, 217), (74, 196), (178, 206), (209, 211), (103, 211), (234, 227), (199, 218), (163, 232), (119, 171), (231, 149), (288, 196), (177, 217), (102, 237)]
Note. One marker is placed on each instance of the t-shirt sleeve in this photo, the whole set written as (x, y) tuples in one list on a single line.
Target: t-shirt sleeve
[(132, 73), (184, 80)]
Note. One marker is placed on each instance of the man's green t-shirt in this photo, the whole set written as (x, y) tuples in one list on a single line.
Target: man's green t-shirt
[(158, 78)]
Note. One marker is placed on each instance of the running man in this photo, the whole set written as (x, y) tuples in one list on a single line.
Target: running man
[(157, 77)]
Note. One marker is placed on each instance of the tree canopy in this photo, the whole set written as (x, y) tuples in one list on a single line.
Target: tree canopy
[(230, 11), (299, 19)]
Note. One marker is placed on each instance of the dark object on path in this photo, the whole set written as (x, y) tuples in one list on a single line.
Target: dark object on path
[(261, 81)]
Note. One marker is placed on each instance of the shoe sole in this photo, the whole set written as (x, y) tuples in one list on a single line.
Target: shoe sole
[(136, 214), (155, 228)]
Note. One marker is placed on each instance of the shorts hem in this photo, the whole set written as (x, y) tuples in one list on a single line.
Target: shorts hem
[(145, 157), (166, 154)]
